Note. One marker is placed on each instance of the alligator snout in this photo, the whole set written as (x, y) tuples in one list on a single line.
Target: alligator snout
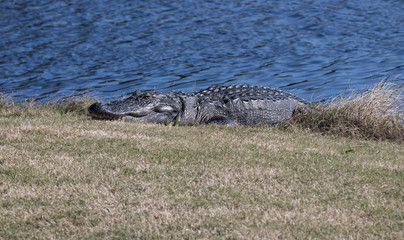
[(98, 111), (112, 112)]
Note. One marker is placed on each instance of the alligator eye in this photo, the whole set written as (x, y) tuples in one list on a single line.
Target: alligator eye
[(146, 96)]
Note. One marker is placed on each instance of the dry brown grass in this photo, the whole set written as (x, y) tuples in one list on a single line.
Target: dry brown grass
[(377, 114), (65, 176)]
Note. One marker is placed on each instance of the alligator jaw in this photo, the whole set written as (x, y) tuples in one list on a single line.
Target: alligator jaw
[(98, 111), (102, 111)]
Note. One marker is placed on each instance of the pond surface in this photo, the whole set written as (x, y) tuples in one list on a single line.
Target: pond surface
[(107, 48)]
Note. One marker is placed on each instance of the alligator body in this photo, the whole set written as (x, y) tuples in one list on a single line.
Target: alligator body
[(226, 105)]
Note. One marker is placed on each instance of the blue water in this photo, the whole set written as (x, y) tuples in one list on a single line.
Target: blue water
[(106, 48)]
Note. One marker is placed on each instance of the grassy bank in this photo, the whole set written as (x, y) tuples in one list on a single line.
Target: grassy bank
[(63, 175), (377, 114)]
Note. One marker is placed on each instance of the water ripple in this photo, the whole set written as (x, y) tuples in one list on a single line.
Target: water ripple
[(108, 48)]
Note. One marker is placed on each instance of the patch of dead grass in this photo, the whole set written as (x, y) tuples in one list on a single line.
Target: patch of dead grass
[(377, 114)]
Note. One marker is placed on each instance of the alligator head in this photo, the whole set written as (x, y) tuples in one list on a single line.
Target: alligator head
[(148, 106)]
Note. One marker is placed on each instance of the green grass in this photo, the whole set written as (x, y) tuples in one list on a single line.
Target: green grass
[(65, 176)]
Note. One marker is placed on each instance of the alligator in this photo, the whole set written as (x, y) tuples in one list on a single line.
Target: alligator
[(226, 105)]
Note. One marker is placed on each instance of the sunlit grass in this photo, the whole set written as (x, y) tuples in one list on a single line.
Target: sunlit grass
[(64, 175), (377, 114)]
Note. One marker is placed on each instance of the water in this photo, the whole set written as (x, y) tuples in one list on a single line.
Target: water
[(106, 48)]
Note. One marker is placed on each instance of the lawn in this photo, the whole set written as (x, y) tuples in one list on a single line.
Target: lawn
[(66, 176)]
